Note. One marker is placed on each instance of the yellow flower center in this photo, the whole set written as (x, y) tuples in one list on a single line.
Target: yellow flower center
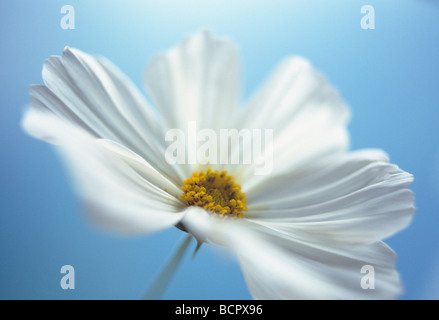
[(216, 192)]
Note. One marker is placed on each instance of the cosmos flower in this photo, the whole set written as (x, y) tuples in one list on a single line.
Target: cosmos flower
[(304, 230)]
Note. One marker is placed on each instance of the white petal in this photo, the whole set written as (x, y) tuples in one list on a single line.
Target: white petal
[(139, 165), (356, 198), (306, 114), (198, 222), (284, 268), (279, 266), (95, 96), (119, 188), (195, 81)]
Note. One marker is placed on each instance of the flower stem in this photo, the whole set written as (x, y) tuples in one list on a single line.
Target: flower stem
[(160, 283)]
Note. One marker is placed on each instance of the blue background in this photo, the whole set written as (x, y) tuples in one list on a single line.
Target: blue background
[(389, 76)]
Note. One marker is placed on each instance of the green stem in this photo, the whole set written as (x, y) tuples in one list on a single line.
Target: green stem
[(159, 285)]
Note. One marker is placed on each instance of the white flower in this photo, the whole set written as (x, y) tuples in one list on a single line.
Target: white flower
[(311, 225)]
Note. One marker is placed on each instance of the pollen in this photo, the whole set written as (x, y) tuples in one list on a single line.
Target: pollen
[(215, 191)]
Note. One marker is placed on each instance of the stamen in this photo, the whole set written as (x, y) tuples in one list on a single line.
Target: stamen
[(216, 192)]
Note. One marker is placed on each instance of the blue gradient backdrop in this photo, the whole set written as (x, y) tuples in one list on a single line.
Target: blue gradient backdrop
[(389, 76)]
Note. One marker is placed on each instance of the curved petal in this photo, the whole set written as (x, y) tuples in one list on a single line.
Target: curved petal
[(196, 81), (355, 198), (120, 189), (306, 115), (280, 266), (92, 94), (198, 222)]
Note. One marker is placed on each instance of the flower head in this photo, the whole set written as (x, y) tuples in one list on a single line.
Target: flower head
[(303, 228)]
